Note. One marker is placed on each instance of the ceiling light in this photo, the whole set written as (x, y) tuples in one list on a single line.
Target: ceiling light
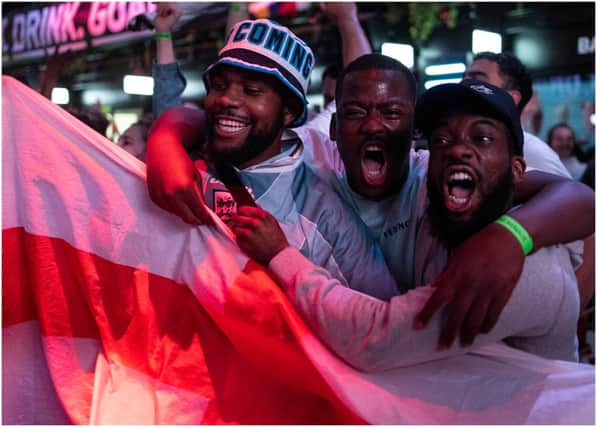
[(60, 95), (137, 85), (441, 69), (404, 53), (430, 83), (486, 41)]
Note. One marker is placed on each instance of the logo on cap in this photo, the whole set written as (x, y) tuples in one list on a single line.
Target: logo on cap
[(482, 89)]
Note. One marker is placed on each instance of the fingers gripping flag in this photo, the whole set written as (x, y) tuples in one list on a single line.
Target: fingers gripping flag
[(117, 312)]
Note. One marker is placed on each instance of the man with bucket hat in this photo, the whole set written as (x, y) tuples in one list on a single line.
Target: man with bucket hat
[(256, 90)]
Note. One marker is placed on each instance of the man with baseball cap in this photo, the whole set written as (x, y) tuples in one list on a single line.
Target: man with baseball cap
[(507, 71), (475, 160), (476, 147), (256, 89), (463, 195)]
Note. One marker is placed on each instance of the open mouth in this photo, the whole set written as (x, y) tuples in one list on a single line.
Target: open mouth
[(459, 189), (373, 164), (230, 126)]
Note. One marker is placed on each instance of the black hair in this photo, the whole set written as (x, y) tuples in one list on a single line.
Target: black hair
[(145, 125), (515, 74), (92, 118), (576, 151), (376, 61), (556, 126)]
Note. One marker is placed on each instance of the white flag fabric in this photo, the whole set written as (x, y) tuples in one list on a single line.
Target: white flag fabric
[(116, 312)]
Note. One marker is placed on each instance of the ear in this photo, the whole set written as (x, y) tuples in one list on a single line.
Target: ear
[(518, 168), (288, 115), (516, 95), (333, 127)]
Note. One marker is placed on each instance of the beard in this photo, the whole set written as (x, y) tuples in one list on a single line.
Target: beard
[(493, 203), (256, 143)]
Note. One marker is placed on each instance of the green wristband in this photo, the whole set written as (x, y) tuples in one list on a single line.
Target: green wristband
[(517, 231), (238, 7), (163, 36)]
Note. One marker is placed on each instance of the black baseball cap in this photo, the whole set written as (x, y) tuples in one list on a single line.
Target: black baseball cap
[(473, 96)]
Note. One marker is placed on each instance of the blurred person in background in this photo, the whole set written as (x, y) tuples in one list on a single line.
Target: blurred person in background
[(532, 115), (507, 72), (92, 117), (328, 83), (562, 140), (134, 139)]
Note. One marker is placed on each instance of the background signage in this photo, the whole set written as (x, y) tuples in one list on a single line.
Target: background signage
[(69, 26)]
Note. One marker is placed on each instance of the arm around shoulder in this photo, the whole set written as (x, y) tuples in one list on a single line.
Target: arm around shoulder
[(173, 182), (555, 209), (179, 125)]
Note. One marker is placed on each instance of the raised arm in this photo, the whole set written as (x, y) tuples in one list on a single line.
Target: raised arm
[(354, 40), (482, 271), (354, 45), (173, 182), (167, 14), (169, 82), (555, 209)]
